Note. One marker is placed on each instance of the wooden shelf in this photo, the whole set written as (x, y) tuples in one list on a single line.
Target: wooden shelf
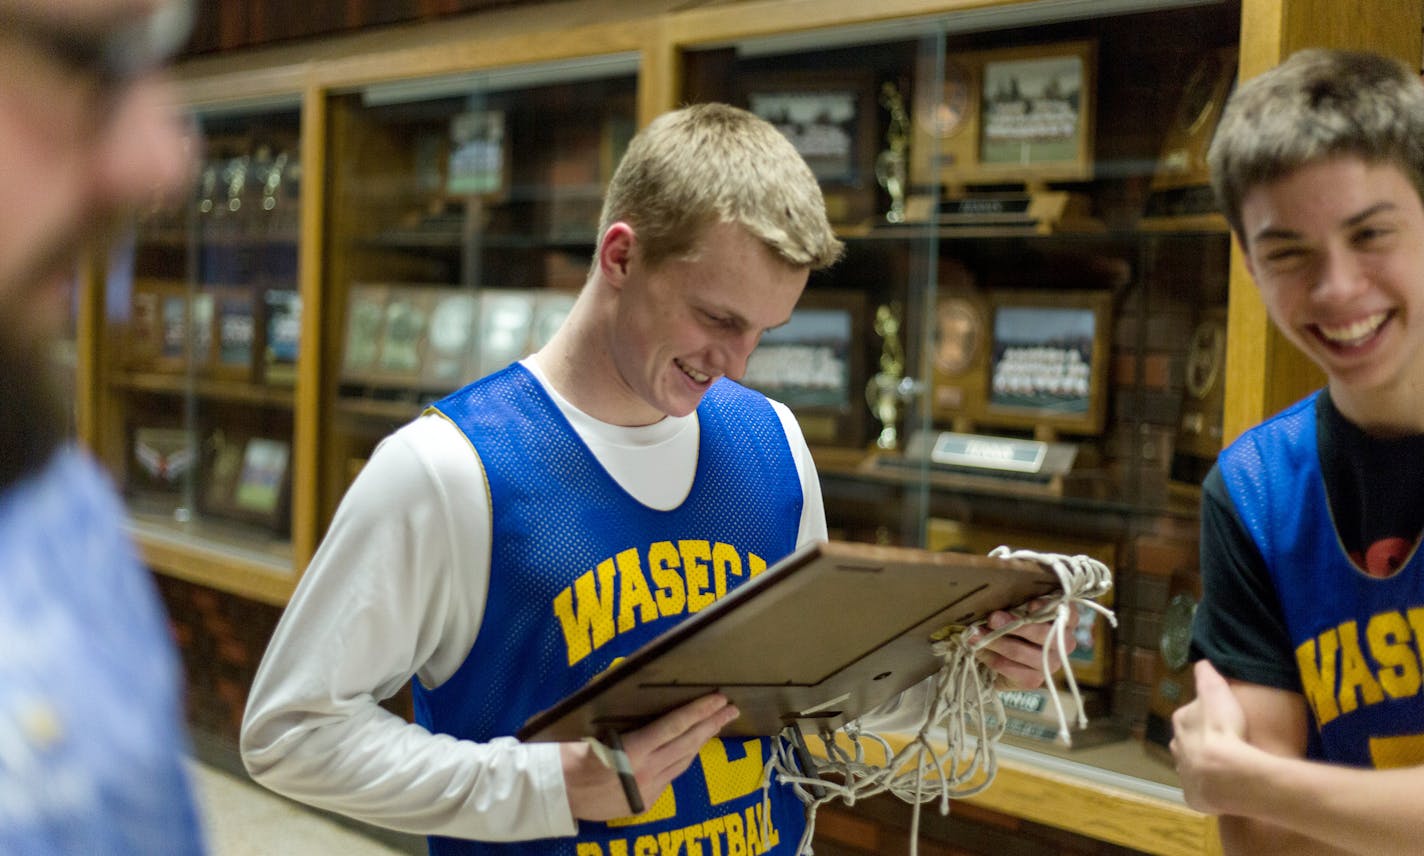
[(1114, 792), (237, 392), (217, 555)]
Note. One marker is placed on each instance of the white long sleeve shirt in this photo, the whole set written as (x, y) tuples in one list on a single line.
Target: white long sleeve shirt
[(397, 589)]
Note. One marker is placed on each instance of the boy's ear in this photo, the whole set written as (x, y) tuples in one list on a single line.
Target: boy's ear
[(615, 252)]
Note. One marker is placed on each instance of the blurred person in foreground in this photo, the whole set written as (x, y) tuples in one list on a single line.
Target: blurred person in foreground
[(92, 740)]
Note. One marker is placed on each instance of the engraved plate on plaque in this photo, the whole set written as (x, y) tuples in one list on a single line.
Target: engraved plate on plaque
[(989, 453)]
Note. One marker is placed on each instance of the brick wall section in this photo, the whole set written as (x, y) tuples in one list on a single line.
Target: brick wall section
[(221, 638)]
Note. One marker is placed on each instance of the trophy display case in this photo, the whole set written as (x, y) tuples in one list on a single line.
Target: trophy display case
[(462, 217), (1027, 341), (1027, 323), (201, 332)]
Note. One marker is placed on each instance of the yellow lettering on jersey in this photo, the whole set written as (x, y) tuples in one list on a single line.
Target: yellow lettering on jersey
[(1389, 638), (1357, 684), (726, 779), (645, 845), (696, 566), (588, 848), (736, 836), (1416, 624), (585, 611), (693, 840), (725, 561), (1317, 676), (664, 564), (770, 836), (712, 831), (754, 844), (1390, 753), (664, 807), (756, 564), (633, 592), (618, 847), (670, 843)]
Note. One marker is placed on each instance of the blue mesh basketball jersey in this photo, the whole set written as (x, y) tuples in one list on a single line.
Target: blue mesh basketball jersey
[(1357, 638), (581, 573)]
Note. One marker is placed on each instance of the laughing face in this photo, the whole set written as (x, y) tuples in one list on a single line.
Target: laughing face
[(1337, 249), (688, 322)]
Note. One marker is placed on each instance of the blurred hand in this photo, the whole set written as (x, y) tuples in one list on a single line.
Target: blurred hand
[(658, 752)]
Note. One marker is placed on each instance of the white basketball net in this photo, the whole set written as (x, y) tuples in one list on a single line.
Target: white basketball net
[(964, 705)]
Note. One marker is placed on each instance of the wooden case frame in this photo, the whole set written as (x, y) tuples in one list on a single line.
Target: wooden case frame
[(824, 423), (849, 187), (951, 118), (1080, 406)]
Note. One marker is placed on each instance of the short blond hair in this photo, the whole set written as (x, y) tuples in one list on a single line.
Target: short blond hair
[(710, 163), (1318, 104)]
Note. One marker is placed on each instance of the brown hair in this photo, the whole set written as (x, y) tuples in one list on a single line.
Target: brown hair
[(1317, 104)]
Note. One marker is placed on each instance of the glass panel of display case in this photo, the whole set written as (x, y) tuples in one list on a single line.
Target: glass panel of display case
[(1032, 291), (463, 218), (202, 319)]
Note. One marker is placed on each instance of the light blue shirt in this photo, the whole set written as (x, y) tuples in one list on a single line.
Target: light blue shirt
[(92, 742)]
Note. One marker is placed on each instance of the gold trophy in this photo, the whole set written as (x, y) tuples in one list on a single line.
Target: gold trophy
[(886, 389), (891, 165)]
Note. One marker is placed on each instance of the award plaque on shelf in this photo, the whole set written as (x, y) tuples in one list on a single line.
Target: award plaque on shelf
[(814, 364), (1016, 115), (960, 348), (450, 339), (162, 458), (144, 341), (1172, 684), (1199, 429), (235, 333), (830, 118), (479, 155), (505, 318), (1048, 360), (263, 482), (223, 465), (1180, 194), (283, 335), (403, 337), (247, 478), (365, 323), (173, 328)]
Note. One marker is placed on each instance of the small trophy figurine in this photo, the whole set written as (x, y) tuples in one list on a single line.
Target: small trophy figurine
[(890, 166), (883, 393)]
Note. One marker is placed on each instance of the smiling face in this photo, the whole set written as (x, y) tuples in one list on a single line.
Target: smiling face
[(1337, 249), (682, 325)]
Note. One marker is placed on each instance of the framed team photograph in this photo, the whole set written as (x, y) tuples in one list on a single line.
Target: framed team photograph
[(831, 119), (1020, 114), (815, 365), (1048, 358)]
